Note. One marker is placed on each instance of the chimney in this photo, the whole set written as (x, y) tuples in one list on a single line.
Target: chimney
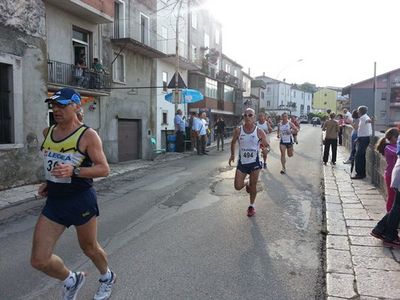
[(249, 72), (263, 74)]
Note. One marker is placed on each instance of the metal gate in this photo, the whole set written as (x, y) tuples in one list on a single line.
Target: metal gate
[(128, 139)]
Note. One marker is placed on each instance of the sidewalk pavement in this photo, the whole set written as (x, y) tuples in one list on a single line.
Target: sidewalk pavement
[(357, 264)]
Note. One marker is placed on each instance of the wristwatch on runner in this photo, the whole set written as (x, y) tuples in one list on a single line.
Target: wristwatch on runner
[(76, 171)]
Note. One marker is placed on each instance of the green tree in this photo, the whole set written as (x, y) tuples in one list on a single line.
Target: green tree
[(308, 87)]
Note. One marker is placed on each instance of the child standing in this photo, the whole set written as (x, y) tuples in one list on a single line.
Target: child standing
[(387, 147)]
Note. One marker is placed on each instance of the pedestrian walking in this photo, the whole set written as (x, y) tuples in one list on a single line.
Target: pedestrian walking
[(363, 138), (249, 137), (387, 147), (73, 156), (285, 136), (331, 127), (219, 129), (386, 229)]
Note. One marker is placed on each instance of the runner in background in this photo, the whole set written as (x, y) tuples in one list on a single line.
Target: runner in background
[(263, 124)]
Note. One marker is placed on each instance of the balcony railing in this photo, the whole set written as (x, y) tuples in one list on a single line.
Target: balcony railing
[(70, 75), (227, 78), (148, 36)]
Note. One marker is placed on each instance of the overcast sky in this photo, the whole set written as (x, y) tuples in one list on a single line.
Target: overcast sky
[(338, 41)]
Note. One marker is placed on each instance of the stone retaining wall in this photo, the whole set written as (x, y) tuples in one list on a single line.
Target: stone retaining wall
[(376, 162)]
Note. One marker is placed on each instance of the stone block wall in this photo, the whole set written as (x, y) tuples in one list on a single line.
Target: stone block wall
[(376, 162)]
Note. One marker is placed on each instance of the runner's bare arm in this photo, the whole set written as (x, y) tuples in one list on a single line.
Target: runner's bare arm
[(235, 137), (91, 142), (42, 190), (263, 137)]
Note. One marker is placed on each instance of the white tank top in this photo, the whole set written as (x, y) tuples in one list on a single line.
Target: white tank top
[(249, 143), (285, 133), (263, 126)]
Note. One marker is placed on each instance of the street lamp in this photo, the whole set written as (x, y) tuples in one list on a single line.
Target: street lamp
[(287, 66)]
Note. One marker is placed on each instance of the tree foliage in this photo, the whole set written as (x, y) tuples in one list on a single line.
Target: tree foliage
[(308, 87)]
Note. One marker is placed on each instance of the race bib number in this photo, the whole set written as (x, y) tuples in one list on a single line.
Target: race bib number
[(248, 156), (286, 136), (51, 160)]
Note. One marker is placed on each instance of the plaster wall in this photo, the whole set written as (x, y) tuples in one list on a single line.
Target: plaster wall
[(23, 50), (123, 104)]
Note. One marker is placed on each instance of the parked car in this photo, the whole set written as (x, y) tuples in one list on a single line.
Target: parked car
[(303, 120), (316, 121)]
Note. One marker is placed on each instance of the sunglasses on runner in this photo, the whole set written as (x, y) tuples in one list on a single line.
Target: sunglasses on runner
[(56, 104), (248, 115)]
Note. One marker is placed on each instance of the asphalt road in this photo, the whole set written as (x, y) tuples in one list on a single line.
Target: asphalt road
[(180, 231)]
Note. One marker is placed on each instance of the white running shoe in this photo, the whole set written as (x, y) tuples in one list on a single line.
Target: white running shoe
[(71, 292), (105, 288)]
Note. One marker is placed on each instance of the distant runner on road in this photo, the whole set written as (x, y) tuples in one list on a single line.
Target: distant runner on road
[(263, 124), (285, 135)]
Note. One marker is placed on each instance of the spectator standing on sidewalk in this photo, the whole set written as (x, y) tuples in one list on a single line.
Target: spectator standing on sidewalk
[(219, 129), (201, 134), (331, 137), (73, 156), (386, 229), (387, 147), (341, 123), (353, 137), (192, 130), (348, 119), (179, 122), (363, 138)]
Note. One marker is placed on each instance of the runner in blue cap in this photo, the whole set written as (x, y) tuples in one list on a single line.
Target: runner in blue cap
[(73, 156)]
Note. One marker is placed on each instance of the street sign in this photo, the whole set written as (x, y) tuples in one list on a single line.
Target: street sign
[(181, 83)]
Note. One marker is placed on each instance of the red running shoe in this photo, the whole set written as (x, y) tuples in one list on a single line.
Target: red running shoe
[(251, 211)]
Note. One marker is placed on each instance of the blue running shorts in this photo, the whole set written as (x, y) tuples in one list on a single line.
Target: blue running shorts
[(75, 209), (248, 168)]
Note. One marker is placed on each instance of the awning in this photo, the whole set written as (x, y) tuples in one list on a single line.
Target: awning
[(186, 96)]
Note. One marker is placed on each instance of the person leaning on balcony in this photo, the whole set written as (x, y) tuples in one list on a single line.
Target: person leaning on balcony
[(98, 67), (363, 138), (79, 72)]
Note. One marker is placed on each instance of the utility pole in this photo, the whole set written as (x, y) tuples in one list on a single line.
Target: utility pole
[(176, 92), (374, 153)]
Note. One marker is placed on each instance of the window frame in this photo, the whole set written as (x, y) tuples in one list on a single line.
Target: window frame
[(124, 69), (15, 63)]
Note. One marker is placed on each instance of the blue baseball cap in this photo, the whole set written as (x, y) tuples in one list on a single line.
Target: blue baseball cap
[(65, 96)]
